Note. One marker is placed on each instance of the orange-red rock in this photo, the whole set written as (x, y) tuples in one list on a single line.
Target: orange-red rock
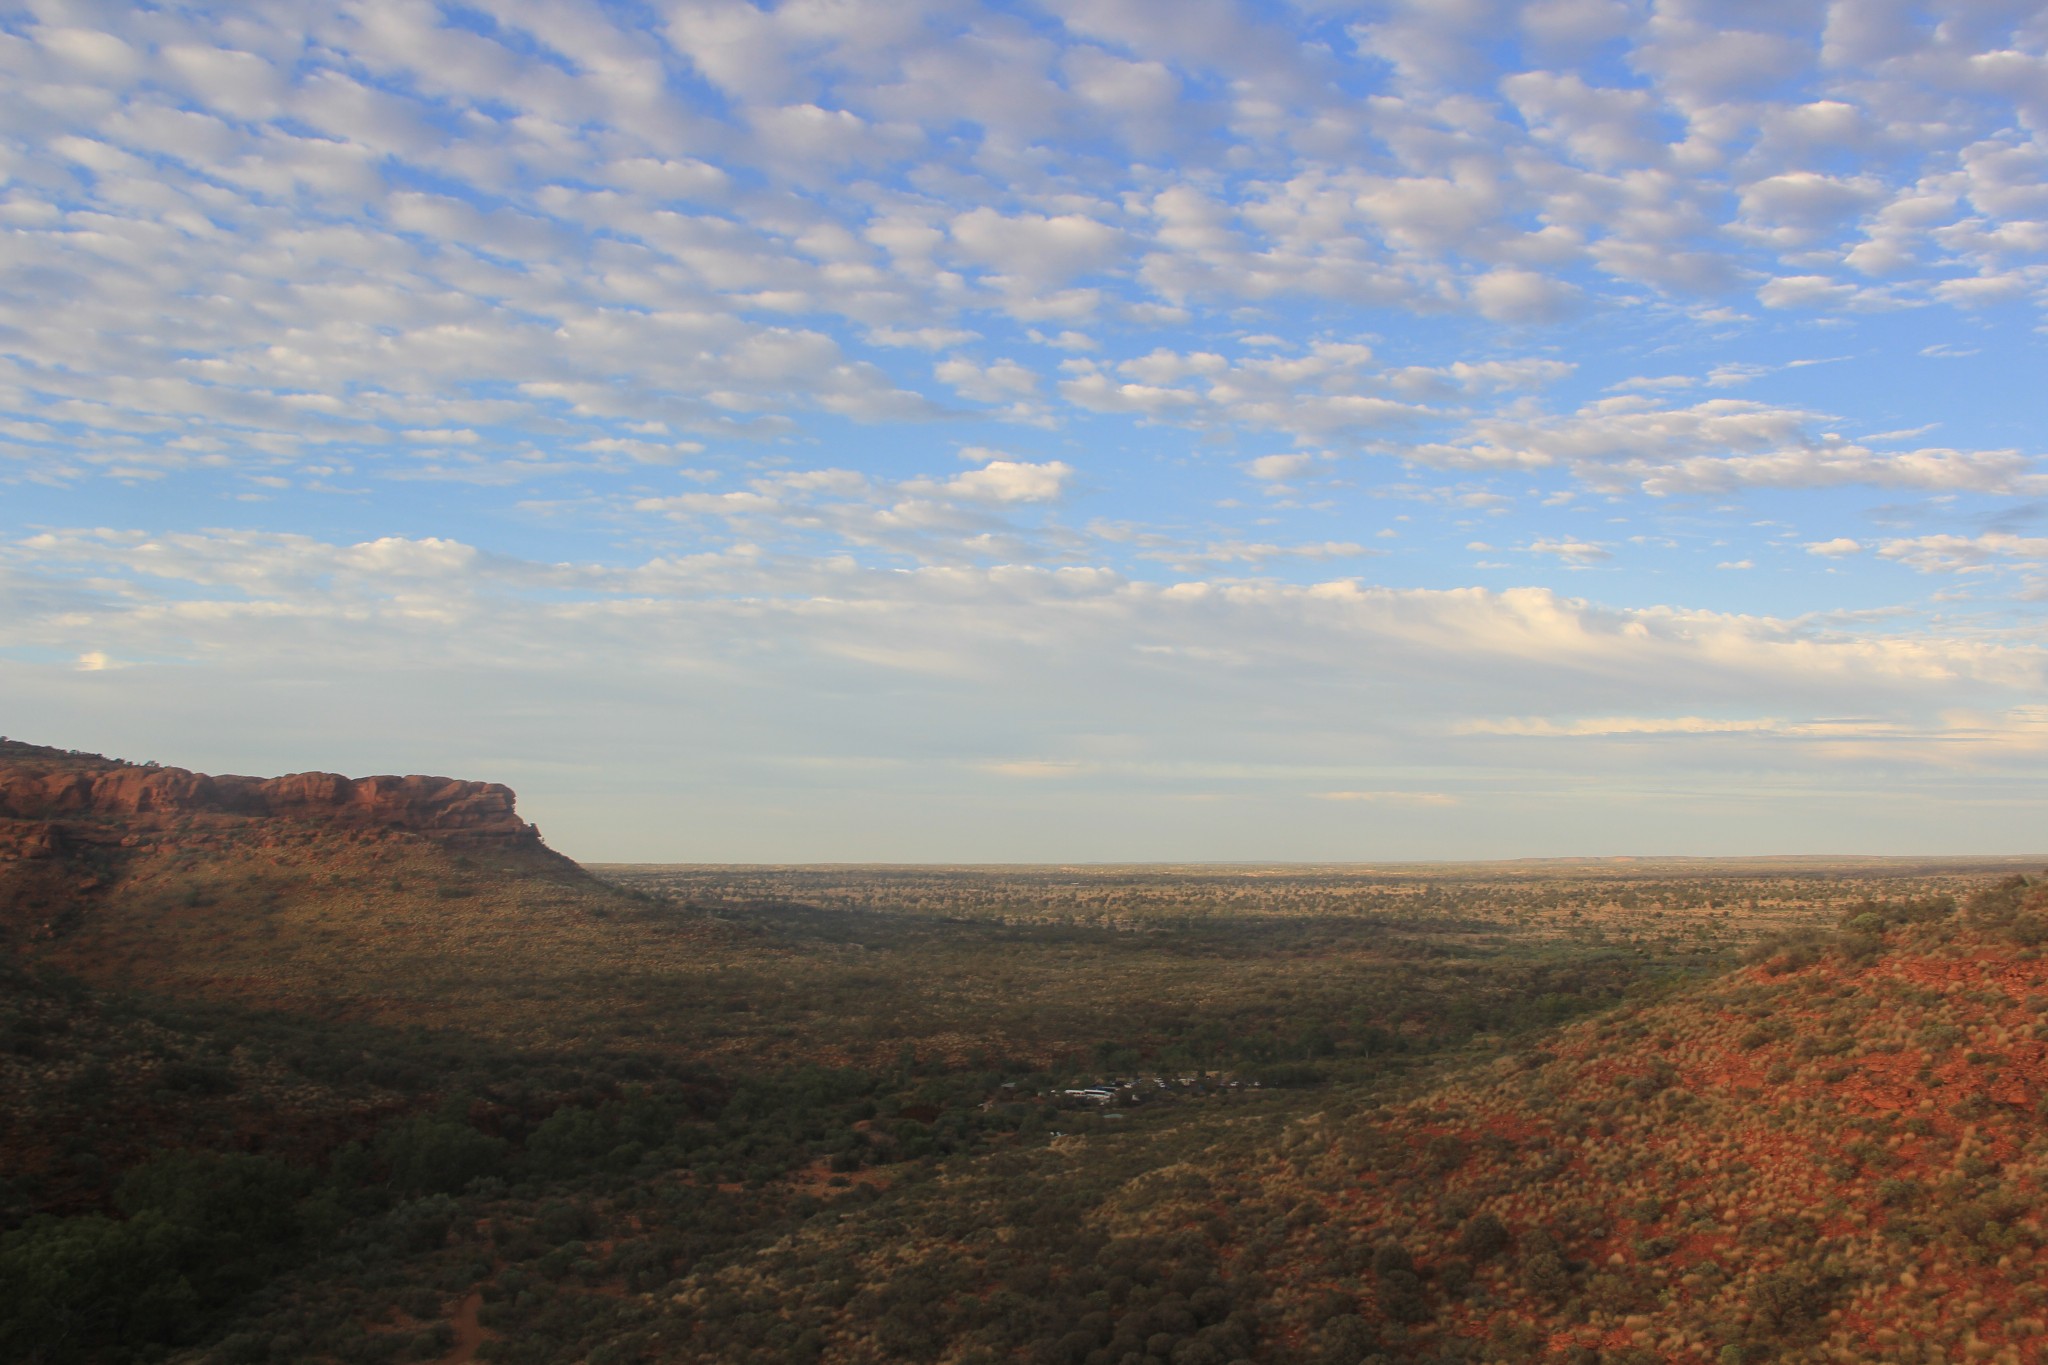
[(29, 839), (44, 785)]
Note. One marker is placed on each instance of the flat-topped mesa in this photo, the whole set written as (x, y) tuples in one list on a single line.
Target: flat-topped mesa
[(431, 805), (481, 812)]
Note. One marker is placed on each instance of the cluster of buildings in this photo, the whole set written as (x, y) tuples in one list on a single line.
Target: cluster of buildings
[(1137, 1090)]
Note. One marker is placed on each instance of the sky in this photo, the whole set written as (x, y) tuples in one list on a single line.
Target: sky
[(1083, 430)]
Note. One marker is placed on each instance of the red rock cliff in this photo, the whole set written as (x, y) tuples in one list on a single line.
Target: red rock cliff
[(49, 785)]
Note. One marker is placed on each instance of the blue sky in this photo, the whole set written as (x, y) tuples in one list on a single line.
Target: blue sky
[(927, 430)]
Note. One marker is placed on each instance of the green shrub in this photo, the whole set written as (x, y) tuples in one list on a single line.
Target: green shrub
[(1545, 1274), (1401, 1297), (1483, 1236), (437, 1155), (1789, 1300), (79, 1288)]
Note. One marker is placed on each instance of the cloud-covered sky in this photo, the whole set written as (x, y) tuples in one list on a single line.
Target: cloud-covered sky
[(1082, 429)]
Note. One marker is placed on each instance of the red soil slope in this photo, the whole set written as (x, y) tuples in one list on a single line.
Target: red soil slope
[(1835, 1154)]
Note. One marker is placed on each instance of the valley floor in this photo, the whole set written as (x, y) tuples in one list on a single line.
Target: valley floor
[(305, 1097)]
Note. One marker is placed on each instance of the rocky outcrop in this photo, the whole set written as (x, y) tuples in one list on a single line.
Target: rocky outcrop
[(430, 805), (88, 789), (30, 839)]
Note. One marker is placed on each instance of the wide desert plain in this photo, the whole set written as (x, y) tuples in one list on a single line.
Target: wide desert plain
[(321, 1069)]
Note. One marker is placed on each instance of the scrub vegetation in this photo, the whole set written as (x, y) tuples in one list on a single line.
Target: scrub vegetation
[(278, 1093)]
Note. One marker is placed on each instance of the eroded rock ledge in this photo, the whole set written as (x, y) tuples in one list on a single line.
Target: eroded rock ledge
[(43, 792)]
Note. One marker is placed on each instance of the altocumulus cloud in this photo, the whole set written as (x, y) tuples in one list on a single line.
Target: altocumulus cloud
[(579, 396)]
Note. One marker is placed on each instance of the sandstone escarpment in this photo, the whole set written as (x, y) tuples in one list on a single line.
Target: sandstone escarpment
[(49, 795)]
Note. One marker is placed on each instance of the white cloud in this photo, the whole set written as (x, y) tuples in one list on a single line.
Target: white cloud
[(705, 289), (1035, 249), (742, 655), (1100, 393), (1205, 557), (965, 518), (999, 381), (1570, 551), (645, 452), (1965, 554), (1010, 481), (1819, 291), (583, 205), (1702, 64), (1332, 391), (1599, 128), (1983, 290), (237, 83), (1608, 726), (1066, 341), (924, 338), (1649, 383), (1038, 768), (1522, 296), (1389, 798), (1717, 446), (1574, 23), (1139, 98), (1836, 548), (804, 135), (1277, 468), (1797, 207)]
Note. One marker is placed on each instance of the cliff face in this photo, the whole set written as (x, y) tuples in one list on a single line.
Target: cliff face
[(55, 795)]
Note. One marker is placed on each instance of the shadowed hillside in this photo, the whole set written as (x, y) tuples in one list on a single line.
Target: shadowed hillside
[(404, 899)]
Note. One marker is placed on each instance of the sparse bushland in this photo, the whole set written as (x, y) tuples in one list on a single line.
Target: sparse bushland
[(1629, 1187), (278, 1094)]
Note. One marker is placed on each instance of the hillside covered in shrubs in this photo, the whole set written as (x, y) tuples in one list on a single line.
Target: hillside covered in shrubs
[(1836, 1152), (284, 1090)]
